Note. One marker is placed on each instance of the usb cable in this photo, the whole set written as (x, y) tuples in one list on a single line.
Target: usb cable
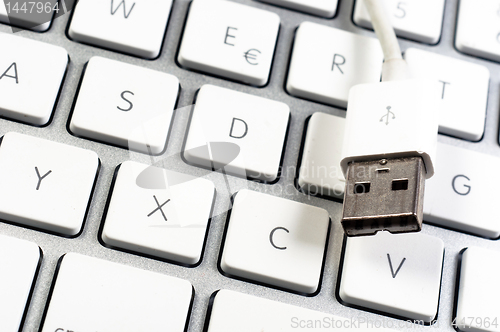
[(389, 143)]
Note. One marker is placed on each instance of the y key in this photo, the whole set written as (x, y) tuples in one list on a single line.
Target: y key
[(45, 185)]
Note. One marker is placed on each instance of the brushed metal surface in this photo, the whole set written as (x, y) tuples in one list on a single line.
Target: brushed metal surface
[(206, 277)]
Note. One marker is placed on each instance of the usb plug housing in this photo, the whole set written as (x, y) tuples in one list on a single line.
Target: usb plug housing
[(388, 152)]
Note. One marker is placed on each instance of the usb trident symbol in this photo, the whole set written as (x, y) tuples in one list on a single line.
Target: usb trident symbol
[(387, 116)]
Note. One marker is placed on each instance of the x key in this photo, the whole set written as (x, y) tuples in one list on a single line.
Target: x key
[(159, 208)]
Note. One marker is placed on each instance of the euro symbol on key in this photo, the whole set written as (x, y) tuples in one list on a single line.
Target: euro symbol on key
[(251, 57), (388, 116)]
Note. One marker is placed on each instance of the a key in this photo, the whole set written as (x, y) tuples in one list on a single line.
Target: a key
[(233, 311), (461, 88), (478, 308), (275, 241), (31, 74), (478, 28), (91, 294), (321, 8), (19, 262), (158, 212), (462, 193), (125, 105), (135, 27), (32, 15), (241, 133), (399, 274), (44, 184), (326, 62), (419, 20), (229, 39), (320, 172)]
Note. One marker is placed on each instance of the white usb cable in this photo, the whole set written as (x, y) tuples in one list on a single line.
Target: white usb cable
[(389, 143), (395, 67)]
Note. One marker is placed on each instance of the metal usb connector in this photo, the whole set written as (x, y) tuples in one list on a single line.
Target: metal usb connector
[(388, 151), (385, 194)]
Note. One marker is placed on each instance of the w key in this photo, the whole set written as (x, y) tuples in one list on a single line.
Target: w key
[(136, 27)]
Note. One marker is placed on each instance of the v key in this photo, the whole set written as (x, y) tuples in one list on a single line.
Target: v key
[(394, 274)]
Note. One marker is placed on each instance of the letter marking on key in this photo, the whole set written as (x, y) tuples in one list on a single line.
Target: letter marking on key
[(228, 35), (394, 274), (466, 186), (125, 14), (444, 87), (231, 132), (128, 101), (272, 235), (159, 208), (338, 64), (15, 73), (40, 178)]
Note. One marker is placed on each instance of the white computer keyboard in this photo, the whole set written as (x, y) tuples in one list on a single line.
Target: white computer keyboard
[(173, 165)]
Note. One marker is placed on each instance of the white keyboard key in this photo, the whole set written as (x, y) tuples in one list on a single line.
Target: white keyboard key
[(478, 28), (136, 27), (159, 222), (478, 308), (19, 262), (230, 40), (275, 241), (320, 172), (326, 62), (324, 8), (125, 105), (232, 311), (407, 18), (462, 194), (399, 274), (91, 294), (34, 69), (461, 88), (254, 128), (35, 16), (46, 185)]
